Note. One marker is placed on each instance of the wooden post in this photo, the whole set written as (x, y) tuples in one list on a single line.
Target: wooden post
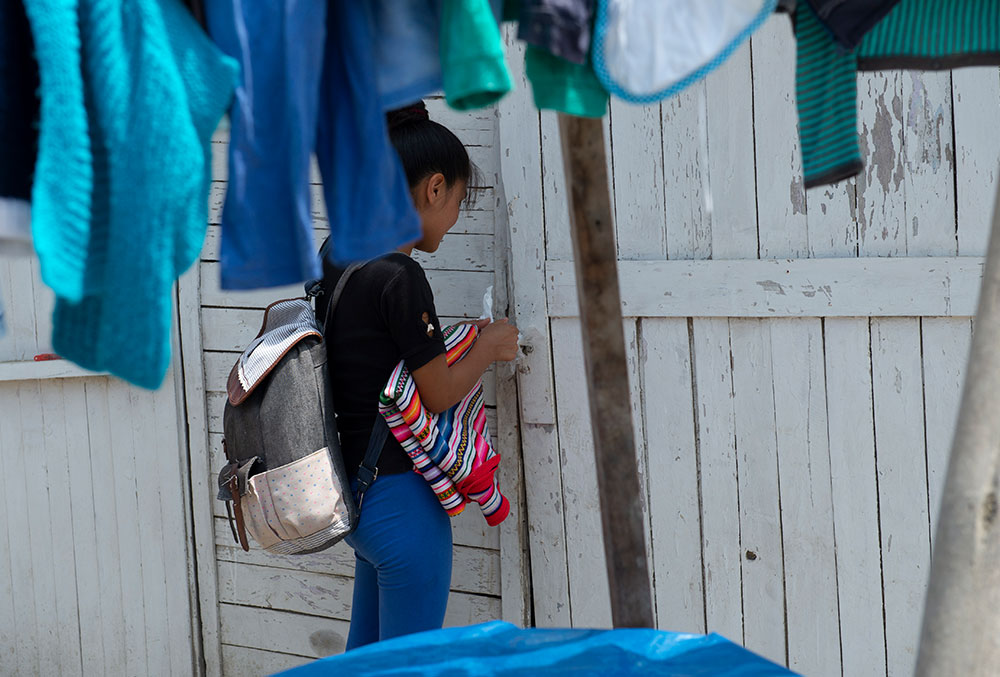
[(607, 371), (961, 628)]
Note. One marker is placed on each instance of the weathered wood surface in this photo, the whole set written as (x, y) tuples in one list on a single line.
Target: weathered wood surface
[(97, 576), (798, 436)]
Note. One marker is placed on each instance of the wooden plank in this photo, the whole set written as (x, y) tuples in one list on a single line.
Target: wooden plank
[(297, 591), (19, 311), (469, 528), (8, 532), (902, 484), (781, 195), (459, 252), (672, 475), (521, 174), (67, 646), (717, 466), (945, 351), (929, 175), (24, 647), (881, 213), (127, 529), (759, 490), (109, 559), (474, 570), (83, 524), (242, 660), (729, 95), (38, 518), (685, 174), (590, 601), (456, 293), (324, 596), (522, 200), (281, 631), (546, 507), (851, 425), (29, 370), (637, 153), (139, 416), (635, 345), (938, 286), (200, 455), (219, 364), (807, 531), (976, 97), (178, 560), (558, 245)]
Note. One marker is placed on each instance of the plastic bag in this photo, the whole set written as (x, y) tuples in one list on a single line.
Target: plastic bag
[(500, 648)]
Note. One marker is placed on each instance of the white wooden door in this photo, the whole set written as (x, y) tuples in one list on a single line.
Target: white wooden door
[(95, 577), (796, 357)]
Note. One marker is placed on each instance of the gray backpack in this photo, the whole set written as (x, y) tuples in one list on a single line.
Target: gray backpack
[(285, 483)]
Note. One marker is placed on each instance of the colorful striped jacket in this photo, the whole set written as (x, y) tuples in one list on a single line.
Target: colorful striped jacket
[(452, 450)]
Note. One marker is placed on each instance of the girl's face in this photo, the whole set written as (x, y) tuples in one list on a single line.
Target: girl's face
[(438, 205)]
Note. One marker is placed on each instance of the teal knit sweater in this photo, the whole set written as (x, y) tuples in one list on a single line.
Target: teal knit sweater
[(119, 206)]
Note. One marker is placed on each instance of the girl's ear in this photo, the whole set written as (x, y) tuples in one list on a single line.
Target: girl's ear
[(437, 188)]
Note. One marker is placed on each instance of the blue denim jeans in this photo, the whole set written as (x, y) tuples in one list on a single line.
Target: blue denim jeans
[(403, 553)]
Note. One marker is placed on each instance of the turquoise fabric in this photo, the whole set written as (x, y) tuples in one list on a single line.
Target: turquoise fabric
[(153, 89), (473, 70), (921, 34)]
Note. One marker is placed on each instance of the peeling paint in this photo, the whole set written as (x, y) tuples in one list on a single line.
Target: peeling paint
[(797, 193), (771, 285)]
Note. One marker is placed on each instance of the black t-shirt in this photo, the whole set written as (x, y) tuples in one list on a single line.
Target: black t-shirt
[(385, 314)]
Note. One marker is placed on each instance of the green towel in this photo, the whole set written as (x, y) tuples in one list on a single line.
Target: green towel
[(473, 71)]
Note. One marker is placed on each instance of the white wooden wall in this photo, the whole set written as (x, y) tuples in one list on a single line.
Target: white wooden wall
[(96, 573), (274, 612), (796, 357)]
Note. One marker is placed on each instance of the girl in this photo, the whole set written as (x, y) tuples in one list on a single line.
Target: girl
[(402, 544)]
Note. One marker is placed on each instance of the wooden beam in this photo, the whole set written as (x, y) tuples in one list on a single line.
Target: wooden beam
[(877, 287), (595, 256)]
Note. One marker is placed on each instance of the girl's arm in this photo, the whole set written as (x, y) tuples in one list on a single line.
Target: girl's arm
[(442, 387)]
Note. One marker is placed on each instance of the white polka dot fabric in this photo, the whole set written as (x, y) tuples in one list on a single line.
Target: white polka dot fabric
[(288, 506)]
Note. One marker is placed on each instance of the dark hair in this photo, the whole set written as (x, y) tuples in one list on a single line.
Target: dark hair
[(427, 147)]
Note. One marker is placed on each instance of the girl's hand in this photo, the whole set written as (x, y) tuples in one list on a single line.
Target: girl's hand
[(500, 339)]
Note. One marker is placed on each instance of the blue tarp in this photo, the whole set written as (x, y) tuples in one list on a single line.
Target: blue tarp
[(499, 648)]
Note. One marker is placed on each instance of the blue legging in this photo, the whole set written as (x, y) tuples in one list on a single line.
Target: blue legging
[(403, 561)]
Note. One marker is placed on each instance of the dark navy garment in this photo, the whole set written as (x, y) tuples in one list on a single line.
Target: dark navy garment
[(560, 27), (308, 84), (849, 20)]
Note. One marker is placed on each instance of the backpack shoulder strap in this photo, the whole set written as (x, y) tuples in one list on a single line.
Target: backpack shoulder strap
[(369, 470), (339, 290)]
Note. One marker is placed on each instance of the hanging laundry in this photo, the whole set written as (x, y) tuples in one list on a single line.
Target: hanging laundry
[(63, 180), (849, 20), (150, 93), (647, 50), (18, 128), (474, 72), (557, 84), (560, 27), (309, 85), (267, 235), (367, 196), (915, 34), (407, 50)]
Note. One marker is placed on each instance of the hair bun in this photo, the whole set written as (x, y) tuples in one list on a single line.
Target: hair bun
[(411, 113)]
